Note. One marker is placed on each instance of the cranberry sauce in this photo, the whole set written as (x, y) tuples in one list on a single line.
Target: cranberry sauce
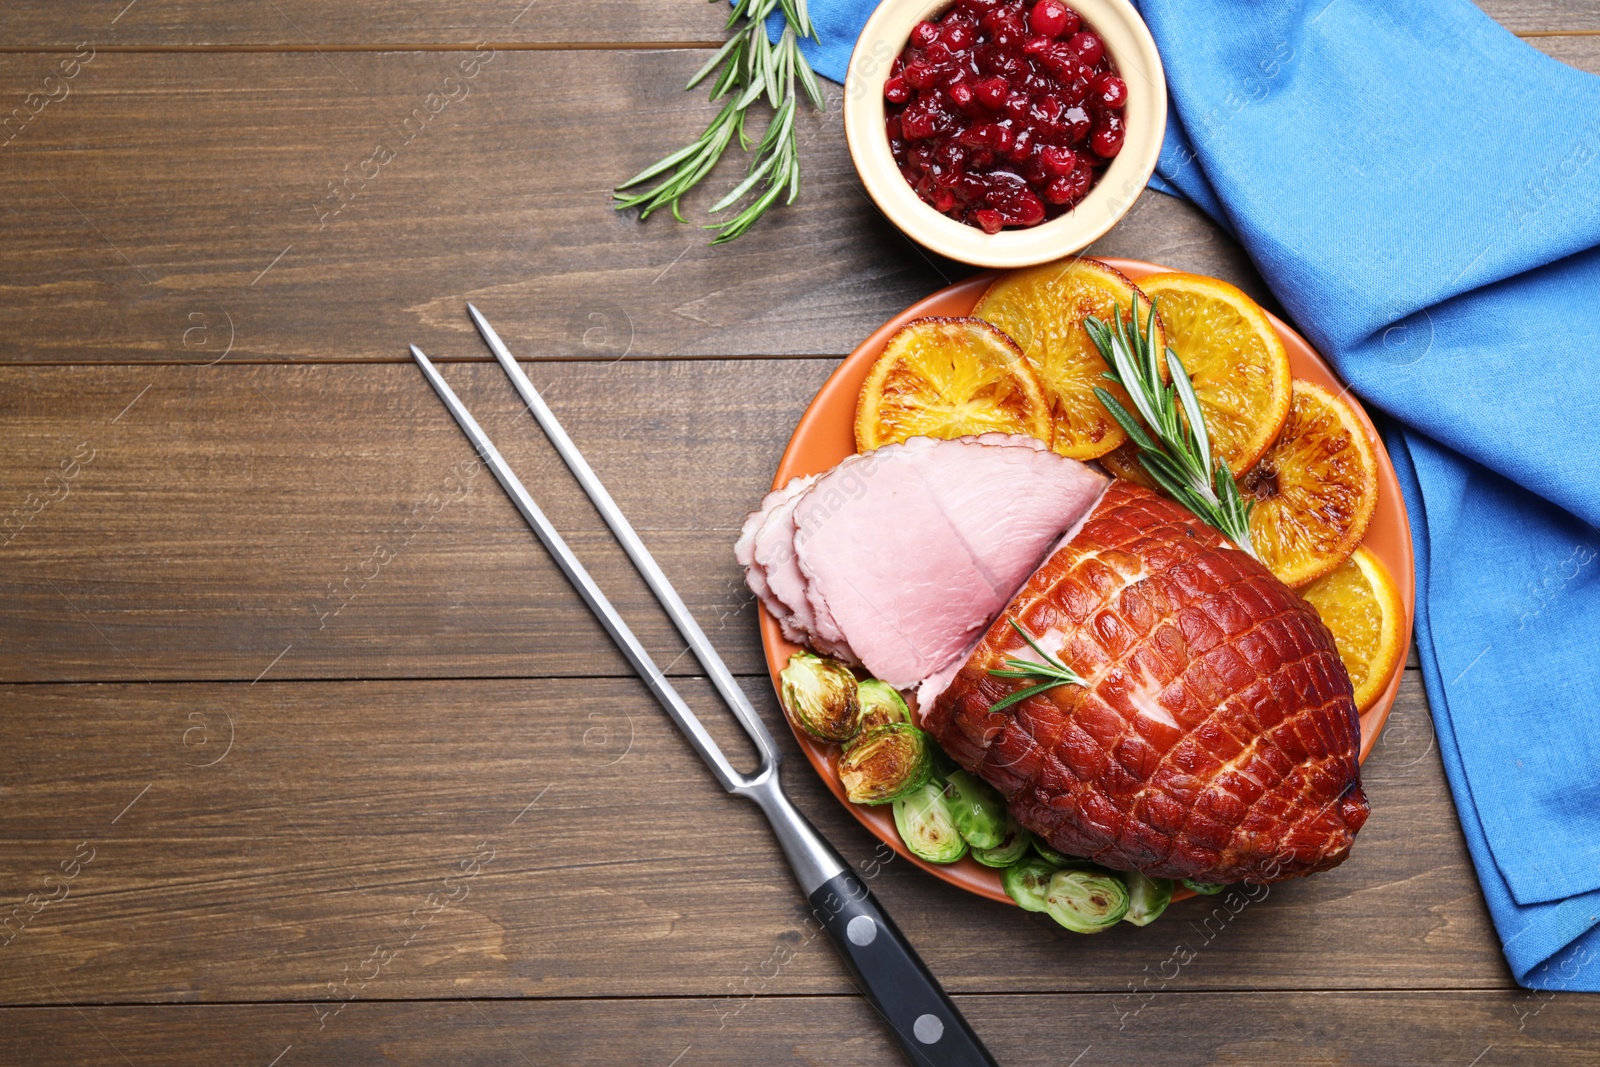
[(1004, 112)]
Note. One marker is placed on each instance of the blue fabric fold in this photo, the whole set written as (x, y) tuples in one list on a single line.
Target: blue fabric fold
[(1421, 191)]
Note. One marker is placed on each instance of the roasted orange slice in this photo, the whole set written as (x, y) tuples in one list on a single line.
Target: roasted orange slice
[(1314, 489), (1361, 605), (1234, 357), (1043, 309), (942, 377)]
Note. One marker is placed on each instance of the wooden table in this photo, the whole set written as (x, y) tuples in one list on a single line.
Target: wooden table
[(309, 755)]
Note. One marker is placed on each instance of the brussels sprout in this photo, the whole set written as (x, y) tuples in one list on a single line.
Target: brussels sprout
[(1205, 889), (1026, 882), (979, 812), (1061, 861), (926, 826), (1147, 898), (1012, 847), (1086, 902), (1050, 855), (881, 704), (821, 698), (886, 762)]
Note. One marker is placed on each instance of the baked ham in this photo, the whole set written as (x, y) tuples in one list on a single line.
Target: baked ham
[(1216, 738), (899, 558)]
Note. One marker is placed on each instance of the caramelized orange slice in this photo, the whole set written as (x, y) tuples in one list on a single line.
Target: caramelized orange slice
[(1361, 605), (942, 377), (1043, 309), (1235, 359), (1314, 489)]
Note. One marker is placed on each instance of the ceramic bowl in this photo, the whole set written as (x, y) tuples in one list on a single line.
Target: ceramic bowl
[(1134, 54)]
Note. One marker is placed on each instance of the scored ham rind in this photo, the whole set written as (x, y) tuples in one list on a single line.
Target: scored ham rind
[(909, 551), (1216, 738)]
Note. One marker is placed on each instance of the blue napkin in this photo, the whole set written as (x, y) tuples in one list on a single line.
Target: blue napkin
[(1421, 190)]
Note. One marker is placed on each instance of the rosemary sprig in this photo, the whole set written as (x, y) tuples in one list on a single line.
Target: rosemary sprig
[(752, 67), (1179, 458), (1052, 671)]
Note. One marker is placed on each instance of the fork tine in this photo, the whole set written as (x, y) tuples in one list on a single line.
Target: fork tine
[(643, 561), (578, 575)]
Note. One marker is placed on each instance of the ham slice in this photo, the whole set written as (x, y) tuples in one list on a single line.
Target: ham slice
[(898, 559), (1216, 739)]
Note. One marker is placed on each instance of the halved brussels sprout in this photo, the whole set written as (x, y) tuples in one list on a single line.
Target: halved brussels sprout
[(886, 762), (979, 812), (1205, 889), (1060, 860), (821, 697), (1086, 902), (881, 705), (1012, 847), (926, 826), (1026, 882), (1147, 898)]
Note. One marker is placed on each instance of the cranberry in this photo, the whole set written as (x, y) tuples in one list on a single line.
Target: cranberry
[(991, 92), (1048, 18), (938, 53), (895, 91), (1074, 23), (917, 125), (1017, 107), (1058, 161), (958, 34), (1075, 91), (1087, 47), (1021, 145), (1069, 188), (919, 75), (989, 220), (1110, 91), (923, 34), (1074, 124), (1107, 138)]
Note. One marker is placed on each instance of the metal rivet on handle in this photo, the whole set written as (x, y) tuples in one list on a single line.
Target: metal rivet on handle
[(863, 931), (928, 1029)]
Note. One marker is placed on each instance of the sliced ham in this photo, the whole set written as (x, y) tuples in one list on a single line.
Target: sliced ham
[(765, 549), (898, 559)]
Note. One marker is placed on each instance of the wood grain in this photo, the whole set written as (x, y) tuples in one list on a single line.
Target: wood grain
[(303, 24), (218, 228), (1397, 1029), (217, 516), (264, 869)]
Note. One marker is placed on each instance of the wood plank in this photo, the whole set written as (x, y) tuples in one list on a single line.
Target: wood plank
[(1398, 1029), (217, 227), (217, 516), (329, 828), (305, 23)]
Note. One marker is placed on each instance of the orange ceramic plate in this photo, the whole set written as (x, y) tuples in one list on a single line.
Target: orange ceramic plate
[(826, 435)]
